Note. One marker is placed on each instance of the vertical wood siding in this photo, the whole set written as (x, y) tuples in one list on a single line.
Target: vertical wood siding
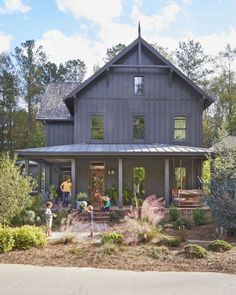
[(59, 133)]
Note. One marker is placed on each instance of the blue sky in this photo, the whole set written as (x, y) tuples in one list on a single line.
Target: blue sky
[(85, 28)]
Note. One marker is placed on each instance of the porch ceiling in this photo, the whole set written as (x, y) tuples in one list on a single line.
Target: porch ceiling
[(114, 149)]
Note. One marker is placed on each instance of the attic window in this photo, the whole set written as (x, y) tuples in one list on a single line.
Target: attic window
[(138, 85)]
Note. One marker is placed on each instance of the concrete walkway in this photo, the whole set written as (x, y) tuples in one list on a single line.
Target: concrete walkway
[(35, 280)]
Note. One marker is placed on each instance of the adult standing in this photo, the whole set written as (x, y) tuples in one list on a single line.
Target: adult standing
[(66, 188)]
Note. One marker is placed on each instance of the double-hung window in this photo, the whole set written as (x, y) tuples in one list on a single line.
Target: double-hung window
[(138, 85), (180, 128), (138, 127), (97, 127)]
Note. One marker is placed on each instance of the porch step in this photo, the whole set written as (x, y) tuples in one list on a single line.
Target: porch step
[(98, 216)]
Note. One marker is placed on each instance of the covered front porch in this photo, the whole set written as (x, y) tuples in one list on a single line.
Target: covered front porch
[(105, 166)]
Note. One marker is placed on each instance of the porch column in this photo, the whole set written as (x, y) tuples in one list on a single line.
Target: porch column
[(120, 183), (73, 177), (47, 177), (39, 178), (167, 182), (27, 166)]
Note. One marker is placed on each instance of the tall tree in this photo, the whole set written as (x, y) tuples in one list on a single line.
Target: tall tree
[(223, 87), (113, 51), (75, 70), (164, 51), (192, 60), (8, 101), (31, 67)]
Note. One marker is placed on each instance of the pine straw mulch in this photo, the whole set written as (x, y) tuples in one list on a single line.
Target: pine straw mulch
[(89, 254)]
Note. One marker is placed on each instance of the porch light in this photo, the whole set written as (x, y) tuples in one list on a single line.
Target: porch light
[(111, 172)]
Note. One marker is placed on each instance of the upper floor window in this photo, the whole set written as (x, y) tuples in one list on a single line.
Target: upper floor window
[(138, 85), (97, 127), (180, 128), (138, 127)]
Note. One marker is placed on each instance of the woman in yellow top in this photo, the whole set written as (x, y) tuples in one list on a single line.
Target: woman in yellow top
[(66, 188)]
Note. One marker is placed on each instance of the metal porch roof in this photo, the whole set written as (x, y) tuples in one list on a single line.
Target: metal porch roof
[(113, 149)]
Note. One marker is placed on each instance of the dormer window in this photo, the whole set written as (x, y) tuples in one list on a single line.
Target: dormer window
[(97, 127), (138, 85)]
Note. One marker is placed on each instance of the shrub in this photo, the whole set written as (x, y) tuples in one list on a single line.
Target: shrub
[(172, 241), (182, 222), (174, 213), (195, 251), (220, 245), (6, 240), (108, 249), (199, 217), (116, 216), (112, 238), (27, 237), (157, 252)]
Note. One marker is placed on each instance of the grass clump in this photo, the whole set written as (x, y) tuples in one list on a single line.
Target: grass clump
[(6, 240), (65, 240), (199, 217), (156, 252), (112, 238), (79, 252), (172, 241), (109, 249), (195, 251), (220, 245)]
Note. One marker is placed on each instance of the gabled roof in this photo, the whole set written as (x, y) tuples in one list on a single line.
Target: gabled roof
[(52, 105), (69, 98)]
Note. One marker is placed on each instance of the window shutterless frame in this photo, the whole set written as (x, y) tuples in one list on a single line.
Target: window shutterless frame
[(138, 85), (180, 128), (97, 128), (138, 128)]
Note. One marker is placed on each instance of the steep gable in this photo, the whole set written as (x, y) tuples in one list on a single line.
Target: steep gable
[(139, 54)]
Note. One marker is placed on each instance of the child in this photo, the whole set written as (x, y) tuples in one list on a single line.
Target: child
[(89, 210), (49, 217), (107, 204)]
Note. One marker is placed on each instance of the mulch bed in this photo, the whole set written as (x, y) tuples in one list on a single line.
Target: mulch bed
[(128, 258)]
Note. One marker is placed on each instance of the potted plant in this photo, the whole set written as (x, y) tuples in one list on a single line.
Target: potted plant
[(81, 196)]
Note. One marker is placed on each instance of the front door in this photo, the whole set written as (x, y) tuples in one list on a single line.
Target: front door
[(97, 183)]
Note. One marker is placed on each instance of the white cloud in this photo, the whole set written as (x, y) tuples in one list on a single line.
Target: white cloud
[(11, 6), (100, 11), (162, 19), (5, 41), (61, 48)]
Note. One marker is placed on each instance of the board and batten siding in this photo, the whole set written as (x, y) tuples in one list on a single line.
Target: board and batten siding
[(113, 97), (59, 133)]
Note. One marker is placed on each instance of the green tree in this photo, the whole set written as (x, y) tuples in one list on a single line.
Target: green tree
[(223, 87), (15, 190), (163, 51), (113, 51), (75, 70), (8, 101), (192, 60), (223, 185), (31, 61)]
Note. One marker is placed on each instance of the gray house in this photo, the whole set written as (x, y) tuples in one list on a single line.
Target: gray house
[(138, 113)]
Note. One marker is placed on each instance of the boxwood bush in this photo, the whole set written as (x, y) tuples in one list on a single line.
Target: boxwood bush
[(195, 251), (199, 217), (220, 245), (27, 237), (112, 238), (172, 241), (6, 240)]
